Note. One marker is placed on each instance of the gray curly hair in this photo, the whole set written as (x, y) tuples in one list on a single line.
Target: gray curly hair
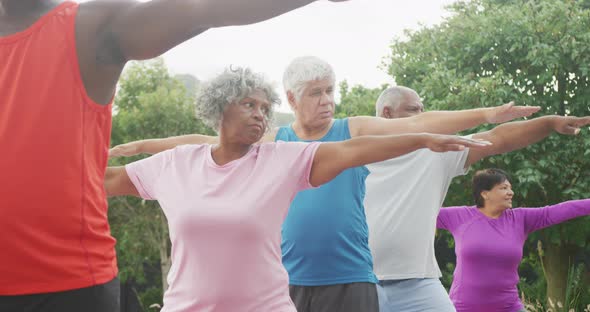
[(229, 87)]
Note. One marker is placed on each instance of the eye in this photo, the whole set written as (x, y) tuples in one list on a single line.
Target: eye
[(248, 104), (330, 91)]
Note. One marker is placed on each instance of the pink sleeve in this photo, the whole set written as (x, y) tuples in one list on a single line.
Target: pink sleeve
[(539, 218), (145, 173), (298, 158), (450, 218)]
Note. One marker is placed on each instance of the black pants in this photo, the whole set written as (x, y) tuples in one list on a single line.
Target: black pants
[(100, 298), (353, 297)]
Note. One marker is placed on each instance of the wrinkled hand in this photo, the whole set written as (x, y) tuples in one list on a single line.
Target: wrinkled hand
[(508, 112), (570, 125), (123, 150), (449, 143)]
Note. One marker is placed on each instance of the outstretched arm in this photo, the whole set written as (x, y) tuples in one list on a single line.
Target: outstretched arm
[(539, 218), (445, 122), (154, 146), (117, 182), (516, 135), (143, 30), (334, 157), (110, 33)]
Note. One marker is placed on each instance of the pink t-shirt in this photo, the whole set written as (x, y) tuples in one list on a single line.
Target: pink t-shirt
[(225, 223)]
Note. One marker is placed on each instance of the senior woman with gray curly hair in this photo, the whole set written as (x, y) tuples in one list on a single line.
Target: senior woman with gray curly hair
[(225, 203)]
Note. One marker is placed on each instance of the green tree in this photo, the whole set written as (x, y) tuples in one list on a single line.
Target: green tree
[(536, 52), (357, 101), (149, 104)]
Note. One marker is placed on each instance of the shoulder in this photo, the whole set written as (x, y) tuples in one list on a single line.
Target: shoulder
[(186, 151), (280, 146), (94, 16), (459, 209)]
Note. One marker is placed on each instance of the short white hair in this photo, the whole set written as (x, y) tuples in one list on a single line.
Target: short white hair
[(303, 70), (391, 97)]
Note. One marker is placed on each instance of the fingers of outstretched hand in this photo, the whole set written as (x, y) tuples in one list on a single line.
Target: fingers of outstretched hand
[(118, 151), (113, 152), (474, 142), (510, 111), (524, 111), (582, 121), (570, 130), (453, 147)]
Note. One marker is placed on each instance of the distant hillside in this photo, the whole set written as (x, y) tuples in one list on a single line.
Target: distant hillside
[(191, 83)]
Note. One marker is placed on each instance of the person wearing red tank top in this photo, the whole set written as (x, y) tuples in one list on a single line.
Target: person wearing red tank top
[(60, 62)]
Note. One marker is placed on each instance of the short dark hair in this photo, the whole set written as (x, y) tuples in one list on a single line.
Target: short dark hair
[(485, 180)]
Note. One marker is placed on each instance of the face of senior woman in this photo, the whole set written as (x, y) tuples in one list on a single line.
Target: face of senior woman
[(500, 196), (245, 121)]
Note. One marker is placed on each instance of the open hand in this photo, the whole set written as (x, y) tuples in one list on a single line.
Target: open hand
[(449, 143), (123, 150), (570, 125), (508, 112)]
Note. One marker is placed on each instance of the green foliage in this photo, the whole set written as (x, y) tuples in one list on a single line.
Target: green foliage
[(535, 52), (357, 101), (149, 104)]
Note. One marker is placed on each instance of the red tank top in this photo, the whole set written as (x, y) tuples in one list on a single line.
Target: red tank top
[(53, 144)]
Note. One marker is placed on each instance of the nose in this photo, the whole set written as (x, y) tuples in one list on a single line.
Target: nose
[(326, 98), (258, 114)]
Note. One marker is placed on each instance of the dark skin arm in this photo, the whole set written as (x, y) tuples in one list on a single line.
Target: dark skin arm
[(332, 158), (117, 182), (516, 135), (110, 33)]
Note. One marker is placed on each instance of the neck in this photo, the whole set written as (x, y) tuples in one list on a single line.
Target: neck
[(310, 132), (492, 212), (226, 151)]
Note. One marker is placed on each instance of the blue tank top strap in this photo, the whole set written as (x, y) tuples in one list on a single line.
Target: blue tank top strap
[(338, 132)]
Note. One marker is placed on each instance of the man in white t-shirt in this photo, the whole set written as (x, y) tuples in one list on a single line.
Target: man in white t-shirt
[(404, 195)]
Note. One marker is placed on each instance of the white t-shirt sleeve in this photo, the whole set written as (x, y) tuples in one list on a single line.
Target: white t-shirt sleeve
[(144, 173), (298, 158)]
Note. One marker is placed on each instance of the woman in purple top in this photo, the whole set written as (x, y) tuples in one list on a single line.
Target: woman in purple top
[(489, 239)]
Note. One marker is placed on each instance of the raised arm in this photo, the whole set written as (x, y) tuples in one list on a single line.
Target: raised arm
[(154, 146), (143, 30), (516, 135), (539, 218), (445, 122), (117, 182), (110, 33), (334, 157)]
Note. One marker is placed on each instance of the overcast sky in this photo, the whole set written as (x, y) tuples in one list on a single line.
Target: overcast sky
[(353, 36)]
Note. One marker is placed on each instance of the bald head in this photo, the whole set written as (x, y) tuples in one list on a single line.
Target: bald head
[(398, 102)]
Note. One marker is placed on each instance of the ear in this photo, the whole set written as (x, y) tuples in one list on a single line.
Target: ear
[(484, 195), (386, 113), (291, 99)]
